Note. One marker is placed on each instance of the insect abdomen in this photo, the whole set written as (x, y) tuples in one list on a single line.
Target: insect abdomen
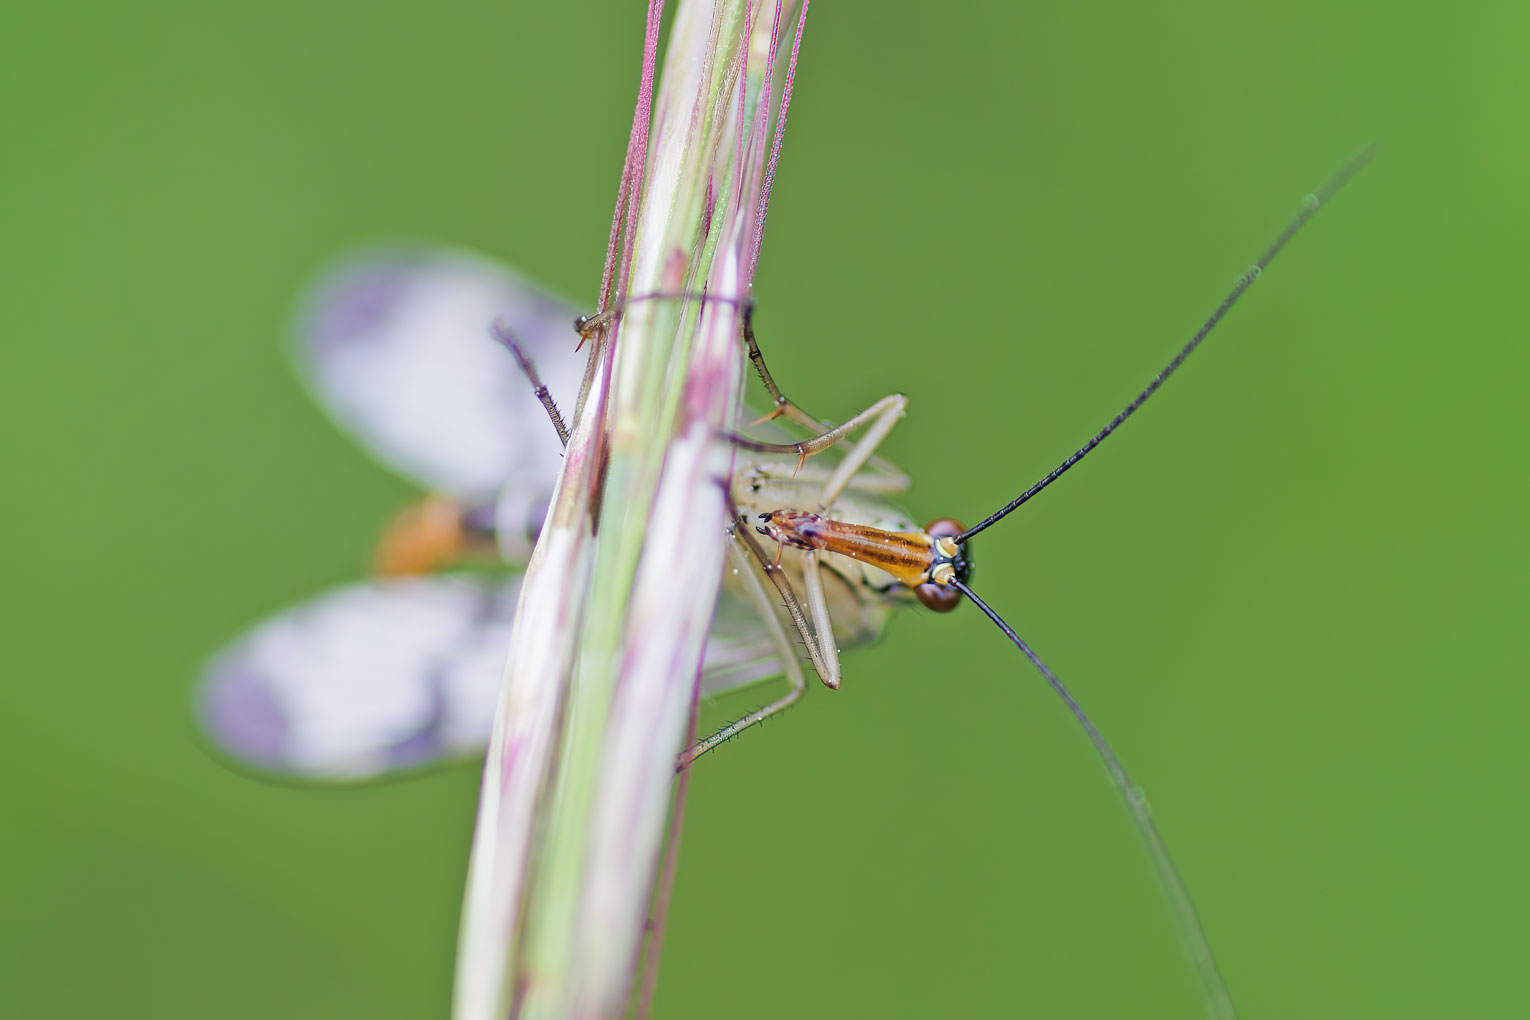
[(905, 555)]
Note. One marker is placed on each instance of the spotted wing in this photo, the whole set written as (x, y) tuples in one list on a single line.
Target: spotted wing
[(390, 675), (364, 679), (396, 346)]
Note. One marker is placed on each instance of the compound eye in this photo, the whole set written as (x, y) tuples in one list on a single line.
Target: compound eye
[(940, 597), (945, 527)]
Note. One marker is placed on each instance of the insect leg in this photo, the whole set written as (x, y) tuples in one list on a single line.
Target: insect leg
[(784, 647), (785, 407), (892, 409), (882, 415), (779, 399), (815, 642), (818, 606), (529, 369)]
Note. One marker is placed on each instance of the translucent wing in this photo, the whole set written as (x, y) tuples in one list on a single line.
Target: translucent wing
[(390, 675), (395, 344), (739, 647)]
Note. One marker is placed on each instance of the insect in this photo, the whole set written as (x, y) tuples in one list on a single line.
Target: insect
[(402, 670), (317, 709)]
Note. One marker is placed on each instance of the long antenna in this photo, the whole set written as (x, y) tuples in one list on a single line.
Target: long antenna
[(1314, 202), (1218, 1000)]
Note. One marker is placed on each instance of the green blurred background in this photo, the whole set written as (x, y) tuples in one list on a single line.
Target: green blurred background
[(1291, 592)]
